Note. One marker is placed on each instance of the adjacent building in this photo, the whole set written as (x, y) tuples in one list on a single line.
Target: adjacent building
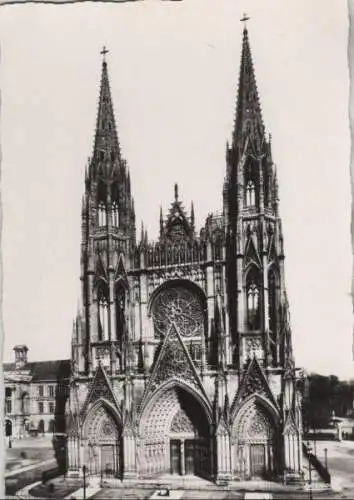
[(182, 355), (35, 394)]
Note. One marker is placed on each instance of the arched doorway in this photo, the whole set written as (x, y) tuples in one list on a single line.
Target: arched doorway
[(41, 427), (8, 428), (51, 426), (254, 441), (102, 442), (174, 430)]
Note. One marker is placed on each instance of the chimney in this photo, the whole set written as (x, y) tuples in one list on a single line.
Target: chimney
[(20, 356)]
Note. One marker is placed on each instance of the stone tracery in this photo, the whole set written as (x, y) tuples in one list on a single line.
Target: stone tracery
[(180, 306)]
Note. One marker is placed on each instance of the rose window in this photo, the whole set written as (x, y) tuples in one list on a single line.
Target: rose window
[(181, 307)]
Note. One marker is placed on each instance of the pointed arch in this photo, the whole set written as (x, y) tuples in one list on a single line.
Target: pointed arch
[(176, 383), (120, 303), (255, 435), (250, 194), (102, 435), (253, 297), (101, 204), (115, 191), (100, 406), (251, 181), (273, 301), (261, 401), (115, 214), (103, 310), (174, 411)]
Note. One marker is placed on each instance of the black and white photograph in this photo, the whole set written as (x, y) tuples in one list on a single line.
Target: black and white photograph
[(176, 250)]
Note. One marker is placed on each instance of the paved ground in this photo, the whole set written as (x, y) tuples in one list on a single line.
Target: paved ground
[(28, 468), (27, 452), (62, 488), (340, 457)]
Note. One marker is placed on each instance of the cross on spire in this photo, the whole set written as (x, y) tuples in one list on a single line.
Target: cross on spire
[(104, 51), (176, 192)]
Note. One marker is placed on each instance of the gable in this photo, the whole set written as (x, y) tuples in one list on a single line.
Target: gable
[(173, 361), (253, 382), (100, 389)]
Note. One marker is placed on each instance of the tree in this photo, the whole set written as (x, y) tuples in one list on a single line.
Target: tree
[(323, 396)]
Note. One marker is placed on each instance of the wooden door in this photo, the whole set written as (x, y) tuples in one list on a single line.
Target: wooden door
[(257, 460), (175, 456), (189, 454), (201, 458), (108, 460)]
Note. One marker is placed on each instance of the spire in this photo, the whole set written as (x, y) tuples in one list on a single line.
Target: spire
[(248, 120), (161, 222), (192, 215), (106, 138)]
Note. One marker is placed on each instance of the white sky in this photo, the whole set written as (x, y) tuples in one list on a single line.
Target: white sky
[(174, 70)]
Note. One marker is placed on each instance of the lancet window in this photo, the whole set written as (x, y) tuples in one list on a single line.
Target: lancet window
[(103, 313), (272, 313), (195, 351), (272, 300), (115, 214), (102, 214), (250, 194), (253, 299), (120, 312)]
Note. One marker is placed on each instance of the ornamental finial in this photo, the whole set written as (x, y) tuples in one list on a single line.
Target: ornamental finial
[(104, 51), (244, 18)]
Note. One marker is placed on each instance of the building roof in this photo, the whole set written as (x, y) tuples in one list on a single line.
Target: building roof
[(43, 370)]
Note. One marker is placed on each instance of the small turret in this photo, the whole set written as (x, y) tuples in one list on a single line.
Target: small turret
[(20, 356)]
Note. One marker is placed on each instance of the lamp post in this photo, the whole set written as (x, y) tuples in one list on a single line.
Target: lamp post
[(309, 450), (84, 477), (326, 463)]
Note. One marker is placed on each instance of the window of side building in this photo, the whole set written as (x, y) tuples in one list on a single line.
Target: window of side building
[(8, 406), (51, 391), (8, 395), (51, 407), (40, 390), (40, 407)]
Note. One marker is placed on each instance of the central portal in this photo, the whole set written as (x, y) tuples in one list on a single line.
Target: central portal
[(176, 436), (189, 457)]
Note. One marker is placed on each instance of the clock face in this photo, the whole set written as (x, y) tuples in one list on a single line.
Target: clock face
[(179, 306)]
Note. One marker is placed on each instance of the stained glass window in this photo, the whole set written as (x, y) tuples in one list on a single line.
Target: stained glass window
[(250, 194), (181, 307), (253, 299)]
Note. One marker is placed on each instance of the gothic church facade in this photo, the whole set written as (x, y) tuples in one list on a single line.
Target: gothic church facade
[(182, 358)]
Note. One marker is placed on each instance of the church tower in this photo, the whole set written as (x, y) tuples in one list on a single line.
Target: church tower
[(258, 306), (182, 358), (108, 239), (255, 247)]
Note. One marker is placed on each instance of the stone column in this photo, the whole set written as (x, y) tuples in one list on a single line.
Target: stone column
[(183, 464), (73, 456), (129, 449), (224, 473), (210, 294)]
